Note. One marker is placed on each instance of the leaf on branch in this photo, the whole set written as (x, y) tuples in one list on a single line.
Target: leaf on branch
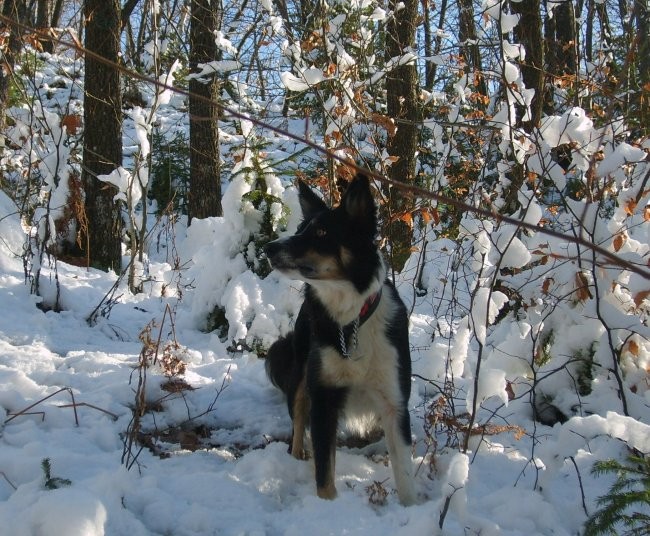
[(633, 348), (34, 41), (428, 214), (312, 42), (385, 122), (582, 287), (345, 172), (546, 284), (531, 177), (407, 218), (630, 207), (72, 123), (639, 297), (619, 240)]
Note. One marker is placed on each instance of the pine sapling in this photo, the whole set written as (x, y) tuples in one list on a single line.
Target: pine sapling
[(52, 482), (627, 504)]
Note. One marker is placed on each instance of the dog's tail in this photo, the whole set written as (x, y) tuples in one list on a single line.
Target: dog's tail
[(280, 362)]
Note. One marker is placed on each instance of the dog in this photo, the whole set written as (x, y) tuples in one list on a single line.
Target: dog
[(348, 356)]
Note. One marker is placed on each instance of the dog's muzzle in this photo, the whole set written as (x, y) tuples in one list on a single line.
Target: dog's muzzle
[(280, 258)]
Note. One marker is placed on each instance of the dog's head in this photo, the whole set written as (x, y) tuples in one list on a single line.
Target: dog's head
[(331, 244)]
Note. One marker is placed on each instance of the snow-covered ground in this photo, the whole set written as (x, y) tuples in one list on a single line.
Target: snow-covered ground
[(240, 480), (217, 462)]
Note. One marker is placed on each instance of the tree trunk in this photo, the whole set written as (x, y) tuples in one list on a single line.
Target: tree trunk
[(529, 33), (102, 134), (43, 23), (402, 106), (642, 89), (429, 71), (432, 67), (13, 10), (468, 43), (205, 177), (56, 13), (562, 45), (566, 40)]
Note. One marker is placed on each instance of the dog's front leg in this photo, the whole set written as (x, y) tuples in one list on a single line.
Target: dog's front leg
[(299, 415), (397, 430), (325, 407)]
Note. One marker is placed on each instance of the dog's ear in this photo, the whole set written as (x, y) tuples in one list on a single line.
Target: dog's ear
[(359, 205), (310, 203)]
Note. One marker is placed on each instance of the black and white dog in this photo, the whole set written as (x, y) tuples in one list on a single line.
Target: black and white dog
[(348, 356)]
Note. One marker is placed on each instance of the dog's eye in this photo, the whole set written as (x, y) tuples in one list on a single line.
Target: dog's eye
[(320, 233)]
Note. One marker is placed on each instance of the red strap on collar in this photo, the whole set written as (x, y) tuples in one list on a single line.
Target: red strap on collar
[(369, 306)]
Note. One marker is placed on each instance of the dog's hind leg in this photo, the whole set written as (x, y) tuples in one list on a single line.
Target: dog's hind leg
[(299, 417)]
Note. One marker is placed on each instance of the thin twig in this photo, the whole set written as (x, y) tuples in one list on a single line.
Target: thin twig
[(445, 507), (582, 489), (78, 404), (7, 479), (26, 410)]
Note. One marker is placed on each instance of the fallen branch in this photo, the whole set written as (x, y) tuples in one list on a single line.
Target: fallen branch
[(26, 410), (7, 479), (86, 404), (74, 405)]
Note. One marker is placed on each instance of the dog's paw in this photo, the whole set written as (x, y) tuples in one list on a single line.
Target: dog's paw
[(298, 454), (327, 492), (408, 495)]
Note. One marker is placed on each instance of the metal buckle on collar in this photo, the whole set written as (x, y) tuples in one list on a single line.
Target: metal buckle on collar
[(368, 308)]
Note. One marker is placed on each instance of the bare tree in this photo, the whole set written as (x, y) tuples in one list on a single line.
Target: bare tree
[(642, 89), (13, 10), (468, 40), (562, 42), (103, 132), (429, 48), (402, 107), (205, 175), (529, 33)]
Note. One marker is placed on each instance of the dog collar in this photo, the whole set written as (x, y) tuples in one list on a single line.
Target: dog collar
[(369, 306), (351, 331)]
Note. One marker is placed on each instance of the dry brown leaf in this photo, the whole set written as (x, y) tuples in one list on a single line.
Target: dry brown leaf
[(72, 123), (546, 284), (630, 207), (407, 218), (619, 240), (385, 122), (633, 348), (582, 287), (640, 296)]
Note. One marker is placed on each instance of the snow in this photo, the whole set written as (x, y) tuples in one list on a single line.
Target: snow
[(122, 180), (225, 467), (243, 481), (308, 78)]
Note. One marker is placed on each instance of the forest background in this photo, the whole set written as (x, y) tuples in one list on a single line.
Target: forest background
[(508, 144)]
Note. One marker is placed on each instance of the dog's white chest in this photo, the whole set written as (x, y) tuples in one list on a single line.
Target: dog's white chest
[(372, 363)]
